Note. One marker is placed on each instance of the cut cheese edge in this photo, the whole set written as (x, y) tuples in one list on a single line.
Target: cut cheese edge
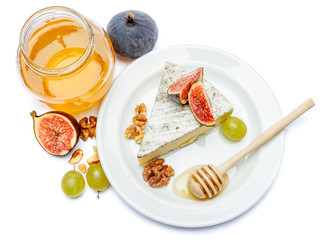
[(172, 125)]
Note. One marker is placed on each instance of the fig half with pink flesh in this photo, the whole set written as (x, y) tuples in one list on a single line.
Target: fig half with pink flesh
[(180, 88), (57, 132), (200, 104)]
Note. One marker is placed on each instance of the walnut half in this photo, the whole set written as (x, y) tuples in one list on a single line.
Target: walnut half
[(157, 174), (140, 109), (88, 129)]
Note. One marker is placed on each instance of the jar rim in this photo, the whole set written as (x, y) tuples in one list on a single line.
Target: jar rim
[(50, 11)]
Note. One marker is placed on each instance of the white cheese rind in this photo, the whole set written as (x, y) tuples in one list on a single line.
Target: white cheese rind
[(170, 121)]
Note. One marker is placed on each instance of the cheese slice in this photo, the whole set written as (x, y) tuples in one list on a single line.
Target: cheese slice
[(172, 125)]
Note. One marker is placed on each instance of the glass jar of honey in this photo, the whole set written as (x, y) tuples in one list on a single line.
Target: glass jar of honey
[(64, 59)]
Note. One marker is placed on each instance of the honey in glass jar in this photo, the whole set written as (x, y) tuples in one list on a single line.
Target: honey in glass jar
[(64, 59)]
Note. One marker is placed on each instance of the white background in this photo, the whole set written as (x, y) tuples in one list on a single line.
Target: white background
[(285, 41)]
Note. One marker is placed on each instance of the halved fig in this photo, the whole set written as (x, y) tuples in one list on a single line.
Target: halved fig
[(57, 132), (200, 104), (180, 88)]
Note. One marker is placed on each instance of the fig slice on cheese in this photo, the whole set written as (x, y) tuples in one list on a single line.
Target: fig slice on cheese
[(180, 88), (200, 104)]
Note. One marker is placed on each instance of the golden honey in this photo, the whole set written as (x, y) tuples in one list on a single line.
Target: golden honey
[(65, 60)]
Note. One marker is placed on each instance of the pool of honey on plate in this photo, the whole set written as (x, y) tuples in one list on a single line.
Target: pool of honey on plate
[(74, 79), (180, 185)]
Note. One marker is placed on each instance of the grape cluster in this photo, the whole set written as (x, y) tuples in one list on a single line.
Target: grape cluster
[(73, 182)]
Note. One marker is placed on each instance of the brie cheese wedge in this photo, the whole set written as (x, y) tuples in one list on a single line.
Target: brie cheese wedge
[(172, 125)]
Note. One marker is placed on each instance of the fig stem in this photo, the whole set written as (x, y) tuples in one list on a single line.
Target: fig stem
[(130, 17), (98, 194), (33, 114)]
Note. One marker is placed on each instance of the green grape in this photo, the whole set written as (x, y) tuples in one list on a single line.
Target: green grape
[(96, 178), (234, 128), (73, 183)]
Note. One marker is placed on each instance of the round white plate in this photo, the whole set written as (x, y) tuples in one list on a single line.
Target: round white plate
[(253, 102)]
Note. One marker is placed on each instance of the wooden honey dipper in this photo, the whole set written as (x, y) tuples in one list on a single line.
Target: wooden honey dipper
[(208, 180)]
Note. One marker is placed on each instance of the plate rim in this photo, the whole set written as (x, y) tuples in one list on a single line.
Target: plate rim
[(129, 201)]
